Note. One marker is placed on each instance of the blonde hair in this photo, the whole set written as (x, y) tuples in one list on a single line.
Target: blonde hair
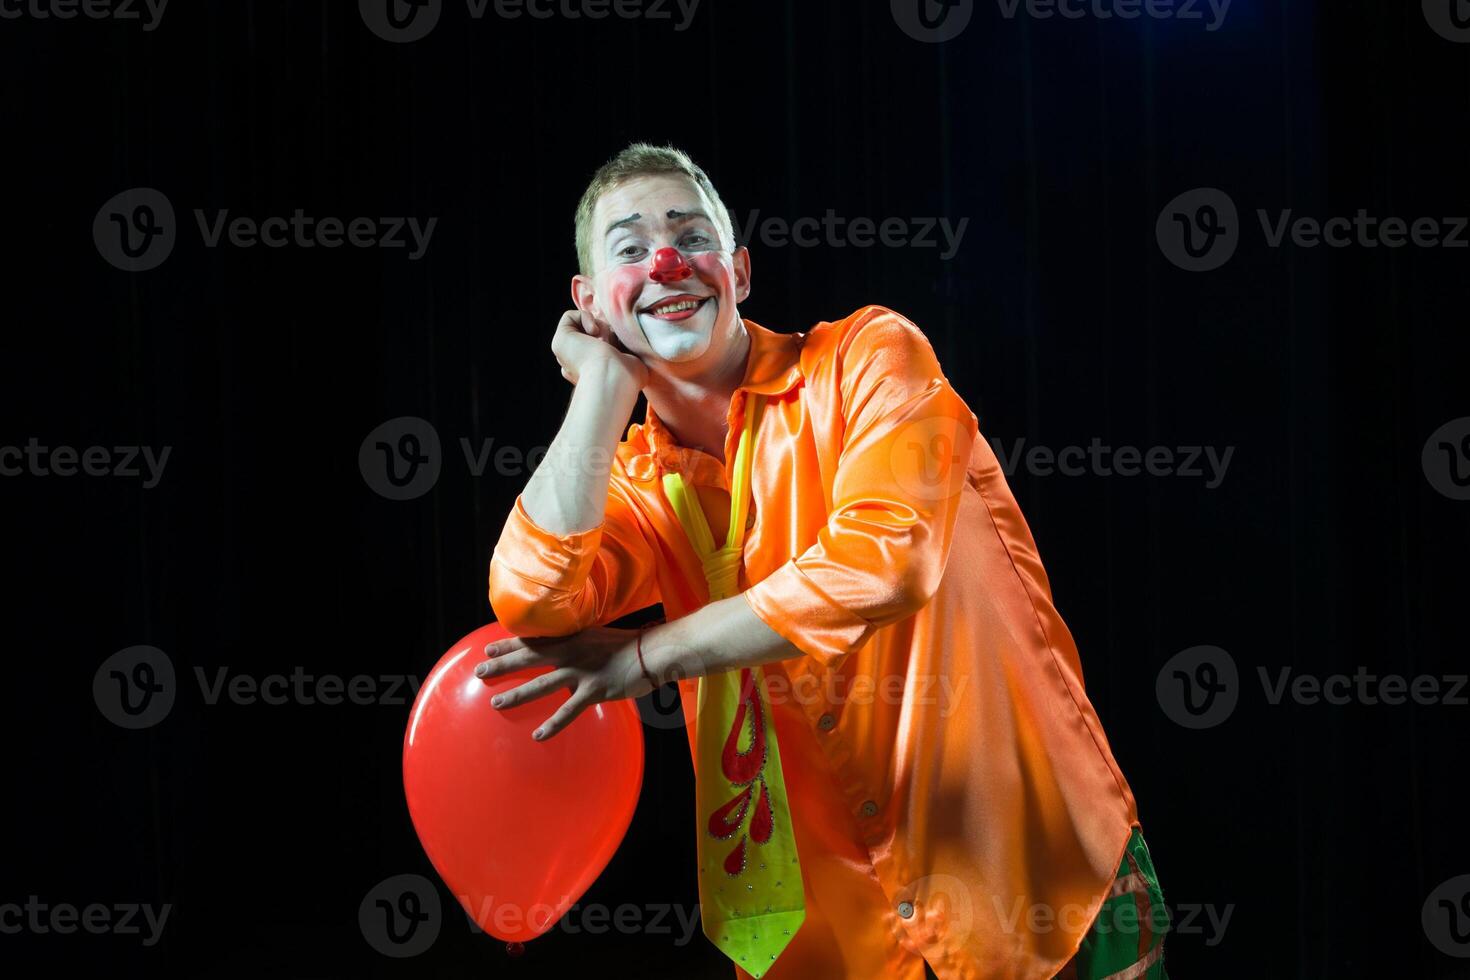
[(644, 160)]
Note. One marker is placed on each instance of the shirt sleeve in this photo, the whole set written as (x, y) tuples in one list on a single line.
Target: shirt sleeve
[(546, 584), (895, 496)]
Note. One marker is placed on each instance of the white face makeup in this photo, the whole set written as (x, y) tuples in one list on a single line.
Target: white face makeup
[(686, 322)]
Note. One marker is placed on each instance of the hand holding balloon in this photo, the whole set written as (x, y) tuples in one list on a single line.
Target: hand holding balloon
[(517, 829), (595, 665)]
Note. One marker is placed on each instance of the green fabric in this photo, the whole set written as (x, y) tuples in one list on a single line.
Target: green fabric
[(1112, 944)]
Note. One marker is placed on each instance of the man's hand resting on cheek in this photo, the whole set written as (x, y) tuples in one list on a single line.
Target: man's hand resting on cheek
[(583, 345), (597, 664)]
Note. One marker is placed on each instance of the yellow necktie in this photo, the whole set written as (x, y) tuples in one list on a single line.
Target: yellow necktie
[(750, 892)]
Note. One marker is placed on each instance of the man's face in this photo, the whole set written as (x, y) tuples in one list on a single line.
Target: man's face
[(688, 321)]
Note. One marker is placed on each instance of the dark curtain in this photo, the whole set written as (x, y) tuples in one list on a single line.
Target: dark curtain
[(1330, 545)]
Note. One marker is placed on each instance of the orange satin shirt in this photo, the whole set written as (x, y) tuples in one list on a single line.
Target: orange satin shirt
[(953, 794)]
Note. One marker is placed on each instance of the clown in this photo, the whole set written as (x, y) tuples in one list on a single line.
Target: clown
[(828, 535)]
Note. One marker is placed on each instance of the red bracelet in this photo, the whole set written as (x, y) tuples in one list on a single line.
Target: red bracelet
[(639, 647)]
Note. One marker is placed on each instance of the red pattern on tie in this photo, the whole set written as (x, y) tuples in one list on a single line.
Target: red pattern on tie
[(744, 769)]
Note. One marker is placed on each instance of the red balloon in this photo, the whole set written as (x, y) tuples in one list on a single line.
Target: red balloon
[(518, 829)]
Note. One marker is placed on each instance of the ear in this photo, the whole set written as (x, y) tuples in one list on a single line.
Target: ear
[(741, 258), (584, 297)]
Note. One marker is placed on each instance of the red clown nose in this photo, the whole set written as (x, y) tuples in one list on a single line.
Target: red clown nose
[(669, 266)]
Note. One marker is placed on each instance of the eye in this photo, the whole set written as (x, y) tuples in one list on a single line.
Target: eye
[(695, 239), (631, 251)]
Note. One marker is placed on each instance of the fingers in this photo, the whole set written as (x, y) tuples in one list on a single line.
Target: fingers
[(571, 322), (504, 646), (510, 661), (593, 327), (562, 717), (582, 322), (538, 687)]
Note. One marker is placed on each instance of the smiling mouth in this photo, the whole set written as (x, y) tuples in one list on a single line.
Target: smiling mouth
[(676, 309)]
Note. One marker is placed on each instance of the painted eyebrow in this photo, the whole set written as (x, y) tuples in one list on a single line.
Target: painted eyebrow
[(622, 221), (673, 214)]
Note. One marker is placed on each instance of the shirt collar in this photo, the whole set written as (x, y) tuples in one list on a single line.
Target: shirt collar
[(772, 367), (774, 364)]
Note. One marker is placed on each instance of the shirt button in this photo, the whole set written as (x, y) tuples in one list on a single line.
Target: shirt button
[(906, 909), (870, 809), (826, 723)]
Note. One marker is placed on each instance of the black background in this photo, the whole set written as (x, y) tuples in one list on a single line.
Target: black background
[(1322, 828)]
